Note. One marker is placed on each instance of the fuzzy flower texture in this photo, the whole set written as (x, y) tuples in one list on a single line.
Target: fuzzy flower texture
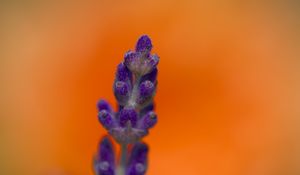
[(134, 88)]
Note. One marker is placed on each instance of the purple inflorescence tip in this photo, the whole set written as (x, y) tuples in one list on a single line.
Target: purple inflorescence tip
[(141, 62), (134, 88), (143, 44), (105, 160), (138, 160)]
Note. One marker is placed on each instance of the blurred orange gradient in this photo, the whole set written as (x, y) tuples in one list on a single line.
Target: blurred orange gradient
[(228, 93)]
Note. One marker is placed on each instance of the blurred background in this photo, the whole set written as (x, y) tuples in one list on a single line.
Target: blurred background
[(228, 94)]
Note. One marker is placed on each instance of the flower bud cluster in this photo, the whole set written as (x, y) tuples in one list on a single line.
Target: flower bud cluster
[(134, 88)]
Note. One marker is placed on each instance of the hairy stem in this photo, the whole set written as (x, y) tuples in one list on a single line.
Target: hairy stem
[(123, 160), (134, 94)]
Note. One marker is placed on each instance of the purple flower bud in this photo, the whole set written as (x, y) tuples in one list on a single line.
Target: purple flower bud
[(147, 121), (143, 44), (123, 73), (121, 91), (121, 88), (146, 88), (103, 104), (138, 160), (105, 159), (141, 62), (106, 119), (127, 115), (146, 92)]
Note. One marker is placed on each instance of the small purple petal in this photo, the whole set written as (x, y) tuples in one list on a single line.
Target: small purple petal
[(147, 121), (123, 73), (121, 91), (128, 114), (146, 88), (103, 104), (106, 119), (143, 44), (121, 88)]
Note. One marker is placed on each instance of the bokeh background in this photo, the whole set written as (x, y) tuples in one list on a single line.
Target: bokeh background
[(228, 95)]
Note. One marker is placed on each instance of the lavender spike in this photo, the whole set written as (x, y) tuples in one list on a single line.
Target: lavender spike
[(134, 88)]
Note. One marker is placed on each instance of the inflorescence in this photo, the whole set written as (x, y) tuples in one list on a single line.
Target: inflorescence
[(134, 88)]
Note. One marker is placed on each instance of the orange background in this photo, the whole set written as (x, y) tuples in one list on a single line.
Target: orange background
[(228, 94)]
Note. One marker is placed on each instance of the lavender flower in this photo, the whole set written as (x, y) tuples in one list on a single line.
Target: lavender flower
[(134, 88)]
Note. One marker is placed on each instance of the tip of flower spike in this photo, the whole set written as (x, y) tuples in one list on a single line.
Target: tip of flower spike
[(143, 44)]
